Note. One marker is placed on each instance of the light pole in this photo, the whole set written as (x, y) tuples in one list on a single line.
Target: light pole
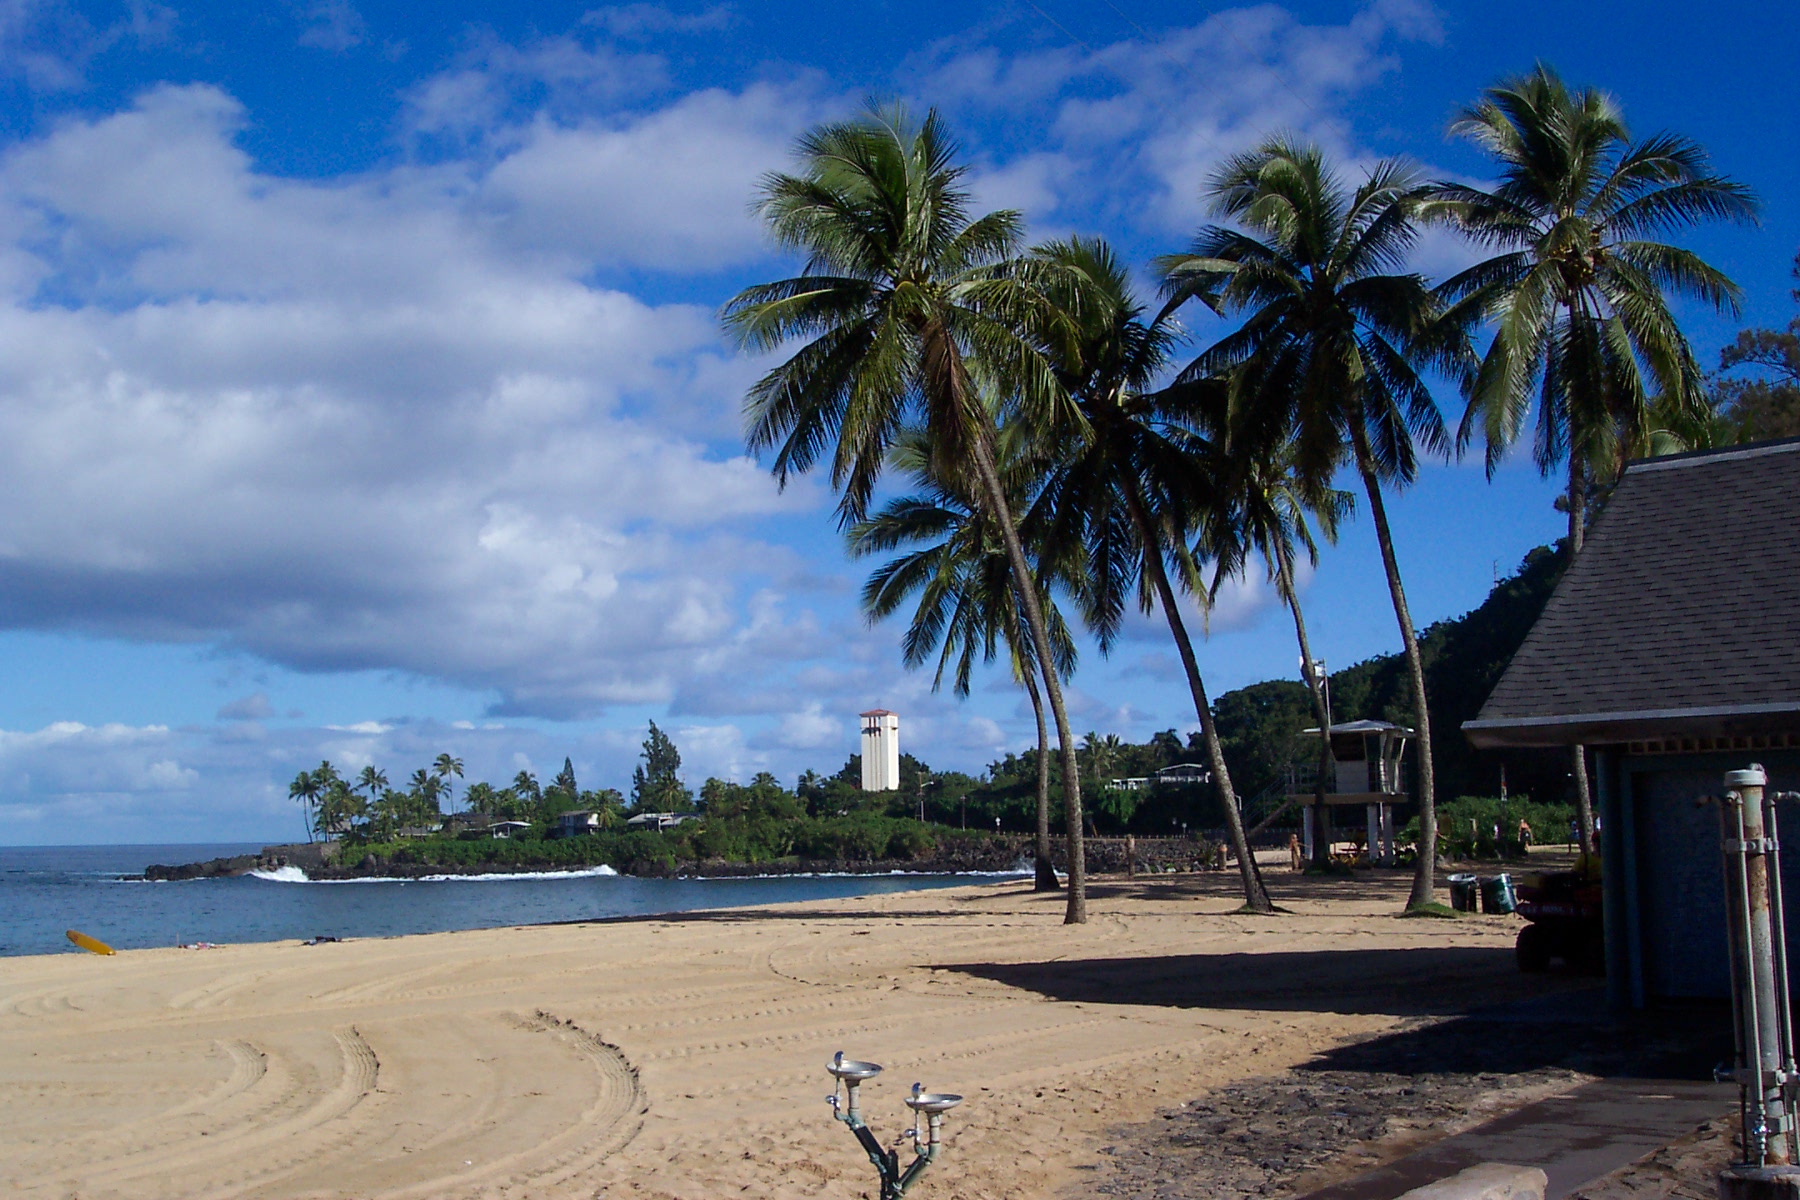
[(1315, 672)]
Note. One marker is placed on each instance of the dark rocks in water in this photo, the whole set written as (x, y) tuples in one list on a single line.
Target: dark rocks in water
[(308, 856), (213, 868)]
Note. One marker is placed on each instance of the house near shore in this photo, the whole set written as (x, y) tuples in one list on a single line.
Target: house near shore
[(508, 829), (577, 822), (1671, 649), (659, 821), (1174, 775)]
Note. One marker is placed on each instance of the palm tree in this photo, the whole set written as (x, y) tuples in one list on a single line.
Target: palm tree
[(1578, 298), (373, 781), (424, 792), (1264, 513), (903, 302), (447, 765), (1330, 352), (967, 606), (307, 790), (339, 808), (1134, 488), (481, 797), (526, 784)]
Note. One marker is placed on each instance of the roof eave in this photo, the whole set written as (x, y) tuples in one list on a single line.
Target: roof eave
[(1616, 728)]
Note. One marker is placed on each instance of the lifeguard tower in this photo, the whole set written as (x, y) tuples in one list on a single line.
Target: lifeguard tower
[(1367, 756)]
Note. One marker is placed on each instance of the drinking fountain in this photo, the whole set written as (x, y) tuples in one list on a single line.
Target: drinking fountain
[(850, 1075)]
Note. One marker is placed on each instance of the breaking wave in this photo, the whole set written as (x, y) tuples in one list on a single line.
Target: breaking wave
[(296, 875)]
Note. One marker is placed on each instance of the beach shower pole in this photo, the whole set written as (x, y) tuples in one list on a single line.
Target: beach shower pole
[(1762, 1017)]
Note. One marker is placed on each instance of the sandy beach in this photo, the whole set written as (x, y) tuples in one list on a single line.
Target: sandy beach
[(684, 1056)]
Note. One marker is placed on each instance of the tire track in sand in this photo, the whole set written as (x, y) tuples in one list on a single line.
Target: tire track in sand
[(605, 1126), (241, 1158)]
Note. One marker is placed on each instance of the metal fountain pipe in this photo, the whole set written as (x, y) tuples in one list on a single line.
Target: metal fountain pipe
[(1784, 997), (894, 1181), (1764, 1072)]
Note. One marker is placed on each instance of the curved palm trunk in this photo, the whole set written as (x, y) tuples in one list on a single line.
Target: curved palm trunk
[(1045, 869), (1256, 897), (1425, 869), (1584, 805), (1284, 580), (1075, 912)]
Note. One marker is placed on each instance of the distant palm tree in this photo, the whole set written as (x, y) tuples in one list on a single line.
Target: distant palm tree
[(1330, 353), (526, 784), (373, 781), (307, 790), (609, 808), (1576, 295), (967, 607), (1132, 491), (903, 303), (339, 808), (481, 797), (1102, 753), (447, 765), (425, 790)]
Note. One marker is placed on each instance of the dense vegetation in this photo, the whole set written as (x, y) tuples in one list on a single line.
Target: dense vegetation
[(831, 818), (1475, 827)]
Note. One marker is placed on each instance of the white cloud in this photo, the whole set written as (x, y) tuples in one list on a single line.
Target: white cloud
[(1129, 130), (668, 190), (641, 20), (811, 729), (333, 25), (348, 425), (68, 758)]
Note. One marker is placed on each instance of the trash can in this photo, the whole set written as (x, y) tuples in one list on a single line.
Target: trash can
[(1462, 892), (1497, 895)]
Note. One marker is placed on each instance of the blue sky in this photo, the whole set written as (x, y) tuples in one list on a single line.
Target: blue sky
[(361, 395)]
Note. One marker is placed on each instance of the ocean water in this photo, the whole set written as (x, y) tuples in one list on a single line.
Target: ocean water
[(45, 890)]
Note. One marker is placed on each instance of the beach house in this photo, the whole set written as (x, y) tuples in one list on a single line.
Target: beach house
[(1174, 775), (1671, 650), (658, 821), (577, 822)]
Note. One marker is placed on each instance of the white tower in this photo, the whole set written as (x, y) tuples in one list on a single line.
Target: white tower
[(880, 751)]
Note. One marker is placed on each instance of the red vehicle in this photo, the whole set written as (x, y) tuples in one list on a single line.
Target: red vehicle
[(1562, 909)]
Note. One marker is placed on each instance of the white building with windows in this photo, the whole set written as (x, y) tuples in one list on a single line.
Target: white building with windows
[(880, 751)]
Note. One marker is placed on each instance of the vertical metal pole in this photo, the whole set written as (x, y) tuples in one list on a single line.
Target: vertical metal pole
[(1766, 1074), (1783, 998), (1735, 946), (1756, 1132), (1306, 827)]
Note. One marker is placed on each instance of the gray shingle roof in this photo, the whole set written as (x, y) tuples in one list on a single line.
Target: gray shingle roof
[(1681, 615)]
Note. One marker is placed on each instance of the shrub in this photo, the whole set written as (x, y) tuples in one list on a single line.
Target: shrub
[(1467, 826)]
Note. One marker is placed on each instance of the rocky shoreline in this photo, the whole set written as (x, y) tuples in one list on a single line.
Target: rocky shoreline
[(989, 855)]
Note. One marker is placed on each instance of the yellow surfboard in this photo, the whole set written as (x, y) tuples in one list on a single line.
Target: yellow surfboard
[(91, 945)]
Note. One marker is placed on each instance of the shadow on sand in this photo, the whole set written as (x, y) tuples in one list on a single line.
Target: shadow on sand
[(1465, 1009), (1436, 981)]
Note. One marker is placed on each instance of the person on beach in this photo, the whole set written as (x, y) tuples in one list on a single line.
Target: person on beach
[(1294, 862), (1524, 837)]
